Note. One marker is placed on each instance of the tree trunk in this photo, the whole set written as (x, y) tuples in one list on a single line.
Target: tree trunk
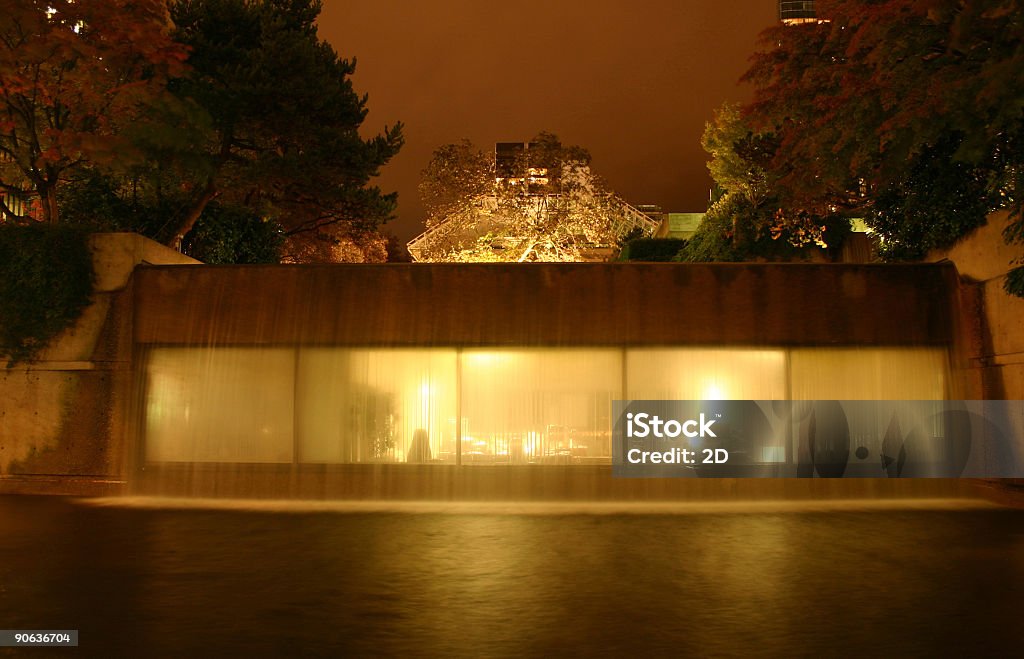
[(209, 194), (48, 201)]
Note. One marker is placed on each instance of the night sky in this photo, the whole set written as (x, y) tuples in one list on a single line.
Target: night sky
[(633, 82)]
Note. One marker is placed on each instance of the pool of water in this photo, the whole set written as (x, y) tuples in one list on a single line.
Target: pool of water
[(155, 578)]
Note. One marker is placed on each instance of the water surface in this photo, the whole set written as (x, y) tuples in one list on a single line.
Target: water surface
[(163, 578)]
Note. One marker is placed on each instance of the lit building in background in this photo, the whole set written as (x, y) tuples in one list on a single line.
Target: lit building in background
[(518, 163), (544, 207), (795, 12), (14, 205), (16, 202)]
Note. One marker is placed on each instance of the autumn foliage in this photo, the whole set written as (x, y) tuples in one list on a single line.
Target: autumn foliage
[(909, 112), (77, 79), (201, 123)]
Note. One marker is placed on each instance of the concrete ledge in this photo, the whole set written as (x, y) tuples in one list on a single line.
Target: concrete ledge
[(1004, 491), (513, 483), (115, 256), (61, 486)]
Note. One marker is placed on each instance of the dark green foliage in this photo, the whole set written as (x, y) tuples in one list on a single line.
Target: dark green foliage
[(652, 249), (285, 118), (1014, 235), (46, 280), (234, 234), (939, 200), (712, 242), (93, 202), (100, 202), (735, 230), (1014, 284), (633, 234), (224, 234)]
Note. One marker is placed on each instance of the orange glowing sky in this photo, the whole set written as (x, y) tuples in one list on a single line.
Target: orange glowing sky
[(634, 82)]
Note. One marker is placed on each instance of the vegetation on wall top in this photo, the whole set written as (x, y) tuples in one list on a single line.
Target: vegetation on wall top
[(46, 280)]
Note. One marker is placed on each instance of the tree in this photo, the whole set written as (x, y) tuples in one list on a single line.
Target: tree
[(750, 219), (455, 175), (77, 79), (936, 200), (284, 136), (547, 206), (740, 159), (863, 104), (235, 234), (336, 243)]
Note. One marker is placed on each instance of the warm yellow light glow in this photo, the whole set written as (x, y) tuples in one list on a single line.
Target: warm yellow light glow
[(714, 392), (531, 444), (484, 358), (706, 374), (868, 373), (509, 405)]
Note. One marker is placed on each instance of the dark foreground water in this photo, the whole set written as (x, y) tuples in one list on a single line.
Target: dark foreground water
[(151, 581)]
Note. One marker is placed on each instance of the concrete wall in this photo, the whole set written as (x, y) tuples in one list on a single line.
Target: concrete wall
[(66, 421), (548, 305), (62, 416), (991, 321), (517, 483)]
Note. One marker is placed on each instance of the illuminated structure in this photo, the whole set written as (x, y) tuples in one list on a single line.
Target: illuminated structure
[(15, 201), (508, 364), (542, 209), (13, 205), (795, 12)]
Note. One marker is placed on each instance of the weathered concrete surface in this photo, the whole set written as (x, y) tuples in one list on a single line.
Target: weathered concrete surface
[(989, 355), (62, 417), (993, 321), (548, 304), (515, 483)]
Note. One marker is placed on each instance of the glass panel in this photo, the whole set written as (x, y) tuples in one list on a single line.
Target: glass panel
[(706, 374), (219, 404), (868, 373), (376, 405), (548, 406)]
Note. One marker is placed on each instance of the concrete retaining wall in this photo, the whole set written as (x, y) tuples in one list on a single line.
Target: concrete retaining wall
[(62, 417), (548, 305), (992, 322)]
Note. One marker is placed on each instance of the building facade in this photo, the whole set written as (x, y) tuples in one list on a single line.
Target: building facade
[(794, 12)]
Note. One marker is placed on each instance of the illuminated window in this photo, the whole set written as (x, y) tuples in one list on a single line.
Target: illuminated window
[(376, 405), (333, 405), (548, 406), (220, 405), (706, 374)]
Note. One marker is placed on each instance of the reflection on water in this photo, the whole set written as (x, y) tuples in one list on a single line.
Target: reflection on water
[(885, 579)]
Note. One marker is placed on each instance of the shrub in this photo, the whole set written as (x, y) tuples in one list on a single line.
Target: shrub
[(46, 280), (652, 249)]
